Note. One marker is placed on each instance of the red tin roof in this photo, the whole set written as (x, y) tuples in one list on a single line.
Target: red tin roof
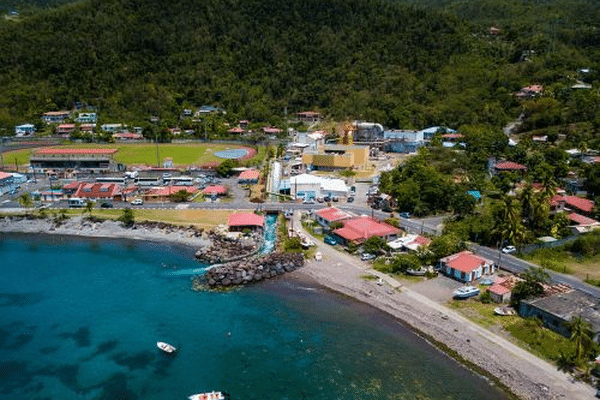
[(364, 227), (246, 219)]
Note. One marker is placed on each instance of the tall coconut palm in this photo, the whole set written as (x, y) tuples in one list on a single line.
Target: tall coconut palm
[(26, 202), (510, 225), (581, 335)]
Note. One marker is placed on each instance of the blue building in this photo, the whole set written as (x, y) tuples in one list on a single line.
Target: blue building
[(403, 141)]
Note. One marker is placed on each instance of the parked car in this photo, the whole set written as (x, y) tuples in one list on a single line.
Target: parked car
[(350, 199), (327, 199), (367, 256), (405, 215), (509, 250), (334, 198), (137, 202), (330, 240), (308, 201), (106, 204), (320, 199)]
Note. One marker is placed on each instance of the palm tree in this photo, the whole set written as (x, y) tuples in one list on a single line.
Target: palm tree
[(528, 200), (581, 335), (25, 202), (89, 207), (510, 226)]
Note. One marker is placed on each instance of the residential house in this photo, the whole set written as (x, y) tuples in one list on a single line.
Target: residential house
[(530, 91), (466, 266), (86, 118), (25, 129), (271, 130), (87, 128), (249, 176), (509, 166), (327, 216), (240, 221), (244, 124), (452, 139), (55, 117), (127, 136), (430, 132), (494, 31), (112, 128), (65, 129), (207, 110), (357, 230), (502, 288), (308, 186), (572, 204), (236, 130), (559, 308), (410, 242), (309, 116)]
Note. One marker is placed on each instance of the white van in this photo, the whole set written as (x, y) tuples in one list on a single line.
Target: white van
[(76, 202)]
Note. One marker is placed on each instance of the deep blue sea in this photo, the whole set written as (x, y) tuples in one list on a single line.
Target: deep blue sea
[(80, 318)]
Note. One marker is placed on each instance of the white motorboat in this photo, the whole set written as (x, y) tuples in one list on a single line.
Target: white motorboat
[(465, 292), (416, 272), (504, 311), (166, 347), (208, 396)]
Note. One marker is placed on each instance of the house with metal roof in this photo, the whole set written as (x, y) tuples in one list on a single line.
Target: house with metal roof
[(240, 221), (308, 186), (559, 308), (466, 266), (357, 230), (249, 176), (327, 216)]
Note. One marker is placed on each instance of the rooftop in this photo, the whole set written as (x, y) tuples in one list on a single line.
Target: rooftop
[(510, 166), (75, 151), (570, 304), (332, 214), (364, 227), (246, 219), (465, 261)]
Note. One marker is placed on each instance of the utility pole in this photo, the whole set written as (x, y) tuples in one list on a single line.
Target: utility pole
[(156, 140)]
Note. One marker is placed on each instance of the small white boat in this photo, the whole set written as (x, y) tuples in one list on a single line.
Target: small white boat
[(166, 347), (208, 396), (416, 272), (504, 311), (465, 292), (318, 256)]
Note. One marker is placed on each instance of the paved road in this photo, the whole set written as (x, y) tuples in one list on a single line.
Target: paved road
[(516, 265)]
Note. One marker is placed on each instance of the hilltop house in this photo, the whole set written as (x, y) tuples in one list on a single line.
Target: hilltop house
[(25, 129), (53, 117)]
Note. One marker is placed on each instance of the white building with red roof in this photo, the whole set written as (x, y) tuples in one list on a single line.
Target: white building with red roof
[(249, 176), (215, 190), (466, 266), (410, 242), (359, 229), (240, 221), (327, 216), (106, 191)]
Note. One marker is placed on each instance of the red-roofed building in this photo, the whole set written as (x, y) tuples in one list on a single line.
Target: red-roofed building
[(309, 116), (66, 160), (572, 203), (249, 176), (6, 182), (240, 221), (499, 293), (215, 190), (71, 188), (581, 220), (529, 91), (52, 117), (466, 266), (236, 130), (127, 136), (357, 230), (99, 191), (271, 130), (327, 216), (510, 166), (164, 193), (65, 129)]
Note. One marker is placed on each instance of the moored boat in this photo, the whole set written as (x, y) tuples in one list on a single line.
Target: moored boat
[(504, 311), (209, 396), (166, 347), (465, 292)]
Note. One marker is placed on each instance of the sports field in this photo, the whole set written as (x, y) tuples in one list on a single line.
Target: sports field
[(144, 153)]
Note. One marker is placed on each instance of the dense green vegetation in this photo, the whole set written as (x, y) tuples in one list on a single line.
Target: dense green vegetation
[(394, 63)]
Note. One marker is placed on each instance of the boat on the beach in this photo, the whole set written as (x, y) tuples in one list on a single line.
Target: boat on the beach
[(465, 292), (487, 281), (166, 347), (504, 311), (209, 396)]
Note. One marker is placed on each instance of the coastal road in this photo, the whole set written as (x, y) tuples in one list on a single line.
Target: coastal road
[(527, 375), (516, 266)]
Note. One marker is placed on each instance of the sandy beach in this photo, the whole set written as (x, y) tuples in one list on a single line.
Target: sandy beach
[(527, 376)]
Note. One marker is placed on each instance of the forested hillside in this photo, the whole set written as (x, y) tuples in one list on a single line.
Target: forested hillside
[(398, 64)]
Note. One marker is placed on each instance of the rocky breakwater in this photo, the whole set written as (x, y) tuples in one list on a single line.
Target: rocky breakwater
[(253, 270), (224, 248)]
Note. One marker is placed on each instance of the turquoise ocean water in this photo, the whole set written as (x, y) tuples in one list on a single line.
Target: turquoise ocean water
[(80, 318)]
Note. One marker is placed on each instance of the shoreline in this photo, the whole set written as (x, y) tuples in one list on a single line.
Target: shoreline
[(518, 373)]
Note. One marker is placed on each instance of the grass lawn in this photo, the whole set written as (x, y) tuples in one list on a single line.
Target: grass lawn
[(529, 335), (196, 217), (145, 153), (560, 260)]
